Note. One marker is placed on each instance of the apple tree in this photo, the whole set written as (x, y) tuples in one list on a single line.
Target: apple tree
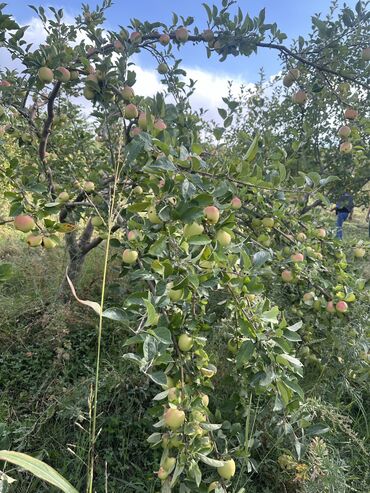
[(206, 233)]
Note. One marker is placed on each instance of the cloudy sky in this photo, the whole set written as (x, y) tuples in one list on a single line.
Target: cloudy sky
[(292, 16)]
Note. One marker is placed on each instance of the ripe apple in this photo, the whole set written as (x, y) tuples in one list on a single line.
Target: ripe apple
[(236, 203), (129, 256), (159, 125), (152, 216), (63, 74), (344, 131), (162, 68), (223, 238), (63, 197), (135, 37), (164, 39), (181, 34), (290, 77), (301, 237), (345, 147), (193, 229), (297, 257), (24, 223), (212, 214), (46, 75), (88, 186), (366, 54), (127, 93), (268, 222), (135, 131), (131, 112), (34, 240), (48, 243), (287, 276), (341, 306), (300, 97), (359, 252), (185, 343), (208, 35), (117, 45), (96, 221), (321, 233), (227, 471), (351, 114), (174, 418), (132, 235)]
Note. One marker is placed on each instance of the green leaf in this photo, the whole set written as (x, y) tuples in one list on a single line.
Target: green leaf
[(158, 377), (211, 462), (287, 360), (252, 151), (296, 326), (261, 257), (115, 314), (271, 315), (318, 429), (294, 386), (199, 240), (245, 353), (38, 469), (283, 391), (292, 336), (151, 314)]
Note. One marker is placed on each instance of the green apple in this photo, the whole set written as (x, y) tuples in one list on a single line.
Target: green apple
[(174, 418), (268, 222), (227, 471), (129, 256), (223, 238), (185, 343), (34, 240), (193, 229)]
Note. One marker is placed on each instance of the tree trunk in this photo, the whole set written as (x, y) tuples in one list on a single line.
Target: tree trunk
[(77, 250)]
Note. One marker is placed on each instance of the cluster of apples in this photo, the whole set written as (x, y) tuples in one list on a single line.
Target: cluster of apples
[(62, 74), (287, 275), (293, 75), (26, 224), (211, 215), (345, 131)]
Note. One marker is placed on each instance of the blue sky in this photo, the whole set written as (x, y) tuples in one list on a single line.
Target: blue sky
[(292, 16)]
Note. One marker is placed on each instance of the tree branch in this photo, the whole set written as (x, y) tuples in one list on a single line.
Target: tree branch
[(45, 137), (321, 68)]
